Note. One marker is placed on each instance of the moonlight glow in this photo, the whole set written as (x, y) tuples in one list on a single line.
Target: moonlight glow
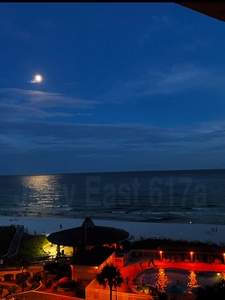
[(38, 78)]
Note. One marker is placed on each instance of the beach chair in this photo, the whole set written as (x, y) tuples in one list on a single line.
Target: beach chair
[(185, 258), (168, 259), (178, 258)]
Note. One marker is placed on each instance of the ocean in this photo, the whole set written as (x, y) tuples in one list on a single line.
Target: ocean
[(196, 196)]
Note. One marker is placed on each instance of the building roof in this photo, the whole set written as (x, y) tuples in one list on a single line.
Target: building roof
[(88, 235), (94, 257)]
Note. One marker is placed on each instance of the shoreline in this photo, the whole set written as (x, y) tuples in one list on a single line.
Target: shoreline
[(46, 224), (142, 217)]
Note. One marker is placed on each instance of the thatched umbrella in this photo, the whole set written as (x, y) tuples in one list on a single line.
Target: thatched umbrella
[(88, 235)]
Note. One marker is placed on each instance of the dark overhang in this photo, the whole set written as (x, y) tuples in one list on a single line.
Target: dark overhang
[(215, 10)]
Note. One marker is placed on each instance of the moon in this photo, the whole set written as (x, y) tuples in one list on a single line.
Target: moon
[(38, 78)]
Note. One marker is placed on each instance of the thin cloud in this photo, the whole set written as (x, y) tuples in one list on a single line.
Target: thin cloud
[(195, 44), (72, 83), (78, 144), (95, 137), (173, 80), (84, 114), (47, 99), (158, 24), (19, 103)]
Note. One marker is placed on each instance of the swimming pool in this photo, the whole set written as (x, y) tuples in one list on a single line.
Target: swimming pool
[(175, 281)]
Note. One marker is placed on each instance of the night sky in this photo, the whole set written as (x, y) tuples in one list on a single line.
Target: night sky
[(126, 86)]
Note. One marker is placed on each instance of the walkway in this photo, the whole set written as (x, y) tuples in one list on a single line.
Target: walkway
[(13, 248)]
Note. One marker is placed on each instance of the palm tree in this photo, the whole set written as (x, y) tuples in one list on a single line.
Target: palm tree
[(110, 275)]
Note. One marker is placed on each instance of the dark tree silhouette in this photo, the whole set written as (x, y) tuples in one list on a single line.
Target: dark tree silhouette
[(216, 291), (162, 296), (110, 275)]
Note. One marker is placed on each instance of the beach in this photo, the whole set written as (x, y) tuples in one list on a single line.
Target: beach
[(209, 233), (147, 199)]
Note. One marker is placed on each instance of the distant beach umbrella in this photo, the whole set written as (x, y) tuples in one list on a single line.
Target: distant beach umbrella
[(88, 235)]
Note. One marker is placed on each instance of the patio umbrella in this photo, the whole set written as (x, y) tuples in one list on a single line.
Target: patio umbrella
[(88, 235)]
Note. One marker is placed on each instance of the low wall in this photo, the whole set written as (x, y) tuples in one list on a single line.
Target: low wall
[(94, 293)]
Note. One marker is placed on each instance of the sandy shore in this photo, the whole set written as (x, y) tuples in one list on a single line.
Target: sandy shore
[(177, 231)]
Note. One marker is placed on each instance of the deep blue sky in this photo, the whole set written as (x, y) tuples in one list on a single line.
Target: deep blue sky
[(126, 86)]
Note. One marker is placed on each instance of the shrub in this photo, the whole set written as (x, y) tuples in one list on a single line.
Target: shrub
[(51, 267), (70, 284), (8, 277), (36, 278), (32, 246), (19, 277), (80, 289), (48, 283)]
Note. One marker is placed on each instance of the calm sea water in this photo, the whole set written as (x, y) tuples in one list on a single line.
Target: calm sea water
[(142, 196)]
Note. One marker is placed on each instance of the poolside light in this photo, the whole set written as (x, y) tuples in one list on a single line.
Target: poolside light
[(191, 253), (160, 253), (22, 279), (224, 258)]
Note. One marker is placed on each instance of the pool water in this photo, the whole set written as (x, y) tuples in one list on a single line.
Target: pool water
[(175, 281)]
